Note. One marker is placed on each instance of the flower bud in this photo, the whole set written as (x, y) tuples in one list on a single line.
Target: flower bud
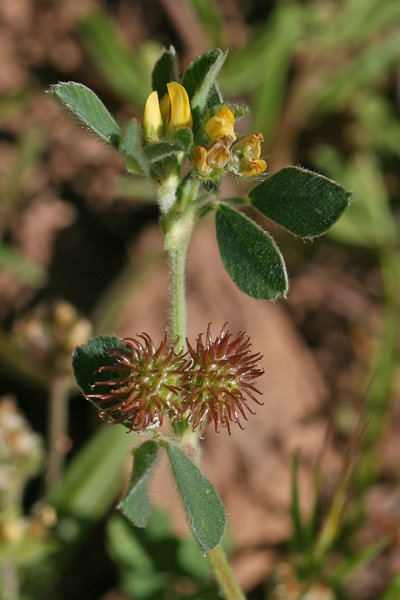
[(221, 125), (152, 120)]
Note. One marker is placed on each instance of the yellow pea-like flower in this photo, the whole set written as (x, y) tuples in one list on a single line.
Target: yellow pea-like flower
[(152, 120), (247, 152), (216, 156), (249, 147), (172, 113), (254, 167), (179, 110), (221, 125), (200, 162)]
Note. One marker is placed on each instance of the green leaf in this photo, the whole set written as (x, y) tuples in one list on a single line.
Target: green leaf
[(199, 80), (156, 152), (88, 109), (183, 138), (135, 504), (204, 508), (165, 71), (180, 142), (131, 146), (305, 203), (87, 359), (238, 110), (250, 255)]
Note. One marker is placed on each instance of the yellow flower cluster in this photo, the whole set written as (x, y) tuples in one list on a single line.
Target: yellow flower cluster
[(173, 112), (244, 155)]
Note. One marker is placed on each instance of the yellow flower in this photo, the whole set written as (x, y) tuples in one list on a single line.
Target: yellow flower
[(248, 151), (221, 125), (254, 167), (175, 108), (152, 121), (216, 156), (200, 162), (173, 112)]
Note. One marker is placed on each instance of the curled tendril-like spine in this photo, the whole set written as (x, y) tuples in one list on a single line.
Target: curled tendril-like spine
[(220, 380), (144, 384), (211, 382)]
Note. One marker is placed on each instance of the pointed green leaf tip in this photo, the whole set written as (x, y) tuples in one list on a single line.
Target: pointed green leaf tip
[(165, 71), (206, 513), (135, 505), (199, 81), (250, 255), (88, 109), (87, 359), (305, 203)]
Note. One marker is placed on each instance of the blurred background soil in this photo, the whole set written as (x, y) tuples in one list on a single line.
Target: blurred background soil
[(76, 228)]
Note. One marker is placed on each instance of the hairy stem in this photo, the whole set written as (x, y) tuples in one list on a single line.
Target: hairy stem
[(229, 587), (177, 266), (177, 239)]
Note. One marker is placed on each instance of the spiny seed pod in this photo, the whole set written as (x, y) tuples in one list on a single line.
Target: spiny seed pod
[(145, 384), (219, 379)]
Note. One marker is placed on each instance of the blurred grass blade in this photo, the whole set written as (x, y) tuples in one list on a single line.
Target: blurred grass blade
[(393, 591), (12, 103), (29, 273), (297, 537), (271, 42), (209, 15), (368, 67), (29, 148), (284, 30), (368, 221), (120, 65), (357, 561), (88, 109), (94, 476)]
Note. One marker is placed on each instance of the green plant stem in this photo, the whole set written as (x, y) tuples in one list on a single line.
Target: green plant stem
[(177, 238), (177, 266), (226, 580)]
